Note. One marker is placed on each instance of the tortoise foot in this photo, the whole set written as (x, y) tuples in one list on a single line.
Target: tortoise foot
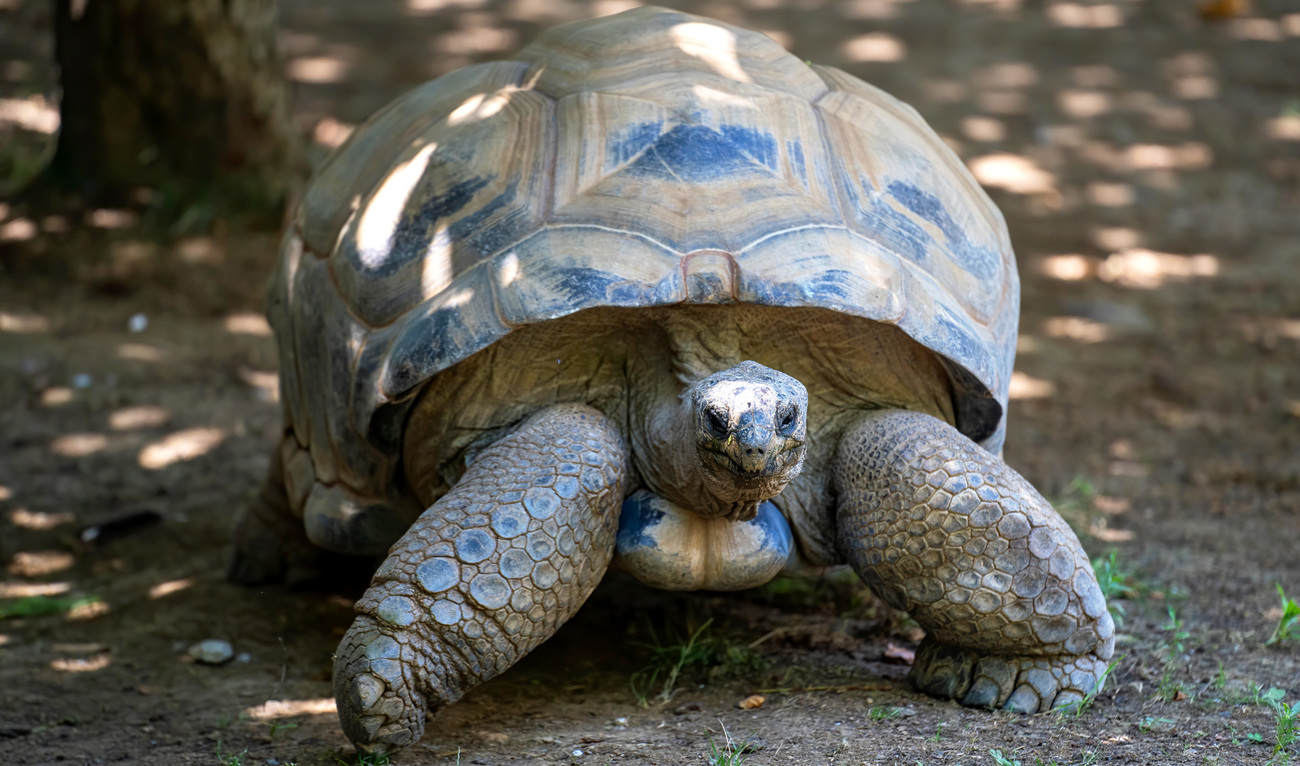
[(1024, 684)]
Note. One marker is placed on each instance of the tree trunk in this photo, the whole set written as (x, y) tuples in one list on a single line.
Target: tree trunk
[(184, 98)]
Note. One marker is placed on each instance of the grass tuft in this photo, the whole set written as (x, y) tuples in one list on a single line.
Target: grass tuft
[(1288, 625)]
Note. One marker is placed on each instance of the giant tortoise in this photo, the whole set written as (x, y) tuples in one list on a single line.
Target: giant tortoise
[(656, 293)]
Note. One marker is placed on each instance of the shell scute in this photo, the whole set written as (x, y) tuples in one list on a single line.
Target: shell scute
[(467, 185), (369, 153)]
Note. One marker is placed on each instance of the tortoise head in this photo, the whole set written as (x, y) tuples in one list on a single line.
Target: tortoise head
[(750, 428)]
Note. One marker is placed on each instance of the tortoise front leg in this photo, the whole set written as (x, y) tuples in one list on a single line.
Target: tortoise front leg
[(486, 574), (940, 527)]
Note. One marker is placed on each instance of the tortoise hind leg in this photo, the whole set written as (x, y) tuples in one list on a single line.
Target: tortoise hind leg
[(940, 527), (271, 544), (487, 573)]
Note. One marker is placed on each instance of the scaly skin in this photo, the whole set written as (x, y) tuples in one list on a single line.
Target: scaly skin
[(486, 574), (270, 543), (939, 527)]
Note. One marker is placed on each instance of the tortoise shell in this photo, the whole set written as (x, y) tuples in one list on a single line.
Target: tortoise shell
[(644, 159)]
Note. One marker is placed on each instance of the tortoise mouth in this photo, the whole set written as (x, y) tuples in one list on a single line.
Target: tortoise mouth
[(781, 462)]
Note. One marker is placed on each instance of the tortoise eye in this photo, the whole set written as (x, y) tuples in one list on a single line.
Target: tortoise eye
[(716, 422), (788, 420)]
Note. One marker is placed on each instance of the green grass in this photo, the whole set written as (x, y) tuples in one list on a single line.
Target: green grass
[(675, 652), (1173, 651), (730, 754), (882, 713), (1089, 758), (1091, 697), (275, 727), (1288, 625), (375, 759), (1116, 581), (1287, 735), (40, 606), (230, 759)]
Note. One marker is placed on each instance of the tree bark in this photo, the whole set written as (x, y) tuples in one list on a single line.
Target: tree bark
[(181, 97)]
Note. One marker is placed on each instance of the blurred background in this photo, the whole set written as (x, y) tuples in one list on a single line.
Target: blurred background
[(1146, 154)]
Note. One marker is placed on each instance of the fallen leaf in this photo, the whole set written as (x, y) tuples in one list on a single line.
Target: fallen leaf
[(752, 701)]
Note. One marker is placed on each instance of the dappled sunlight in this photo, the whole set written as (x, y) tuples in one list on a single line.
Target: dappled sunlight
[(1084, 104), (1078, 15), (33, 589), (428, 7), (78, 445), (1284, 128), (317, 70), (331, 133), (107, 218), (39, 563), (39, 521), (1068, 268), (91, 609), (1076, 329), (247, 323), (5, 493), (136, 418), (1262, 30), (1013, 173), (56, 396), (713, 45), (1028, 387), (1189, 156), (140, 352), (437, 270), (198, 250), (1101, 530), (274, 709), (1267, 331), (1027, 344), (985, 129), (1115, 237), (23, 323), (163, 589), (478, 39), (1105, 194), (384, 211), (81, 664), (480, 106), (1148, 269), (874, 47), (33, 113), (180, 446), (871, 9), (266, 384), (18, 230)]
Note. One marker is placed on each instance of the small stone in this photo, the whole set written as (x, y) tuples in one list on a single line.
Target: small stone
[(212, 651), (137, 323), (620, 721), (243, 658), (687, 707), (82, 380), (752, 702), (576, 753)]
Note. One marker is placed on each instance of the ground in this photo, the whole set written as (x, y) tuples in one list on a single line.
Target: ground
[(1148, 162)]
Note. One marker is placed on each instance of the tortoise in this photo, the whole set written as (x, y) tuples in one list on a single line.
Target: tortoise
[(655, 293)]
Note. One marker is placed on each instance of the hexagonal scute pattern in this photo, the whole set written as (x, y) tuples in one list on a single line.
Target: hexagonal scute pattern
[(484, 576), (941, 528), (649, 158)]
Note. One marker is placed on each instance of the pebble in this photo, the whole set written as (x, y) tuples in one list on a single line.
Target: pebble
[(244, 658), (212, 651), (577, 753), (82, 380), (137, 323)]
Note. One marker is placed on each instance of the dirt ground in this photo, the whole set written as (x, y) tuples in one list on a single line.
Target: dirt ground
[(1148, 162)]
